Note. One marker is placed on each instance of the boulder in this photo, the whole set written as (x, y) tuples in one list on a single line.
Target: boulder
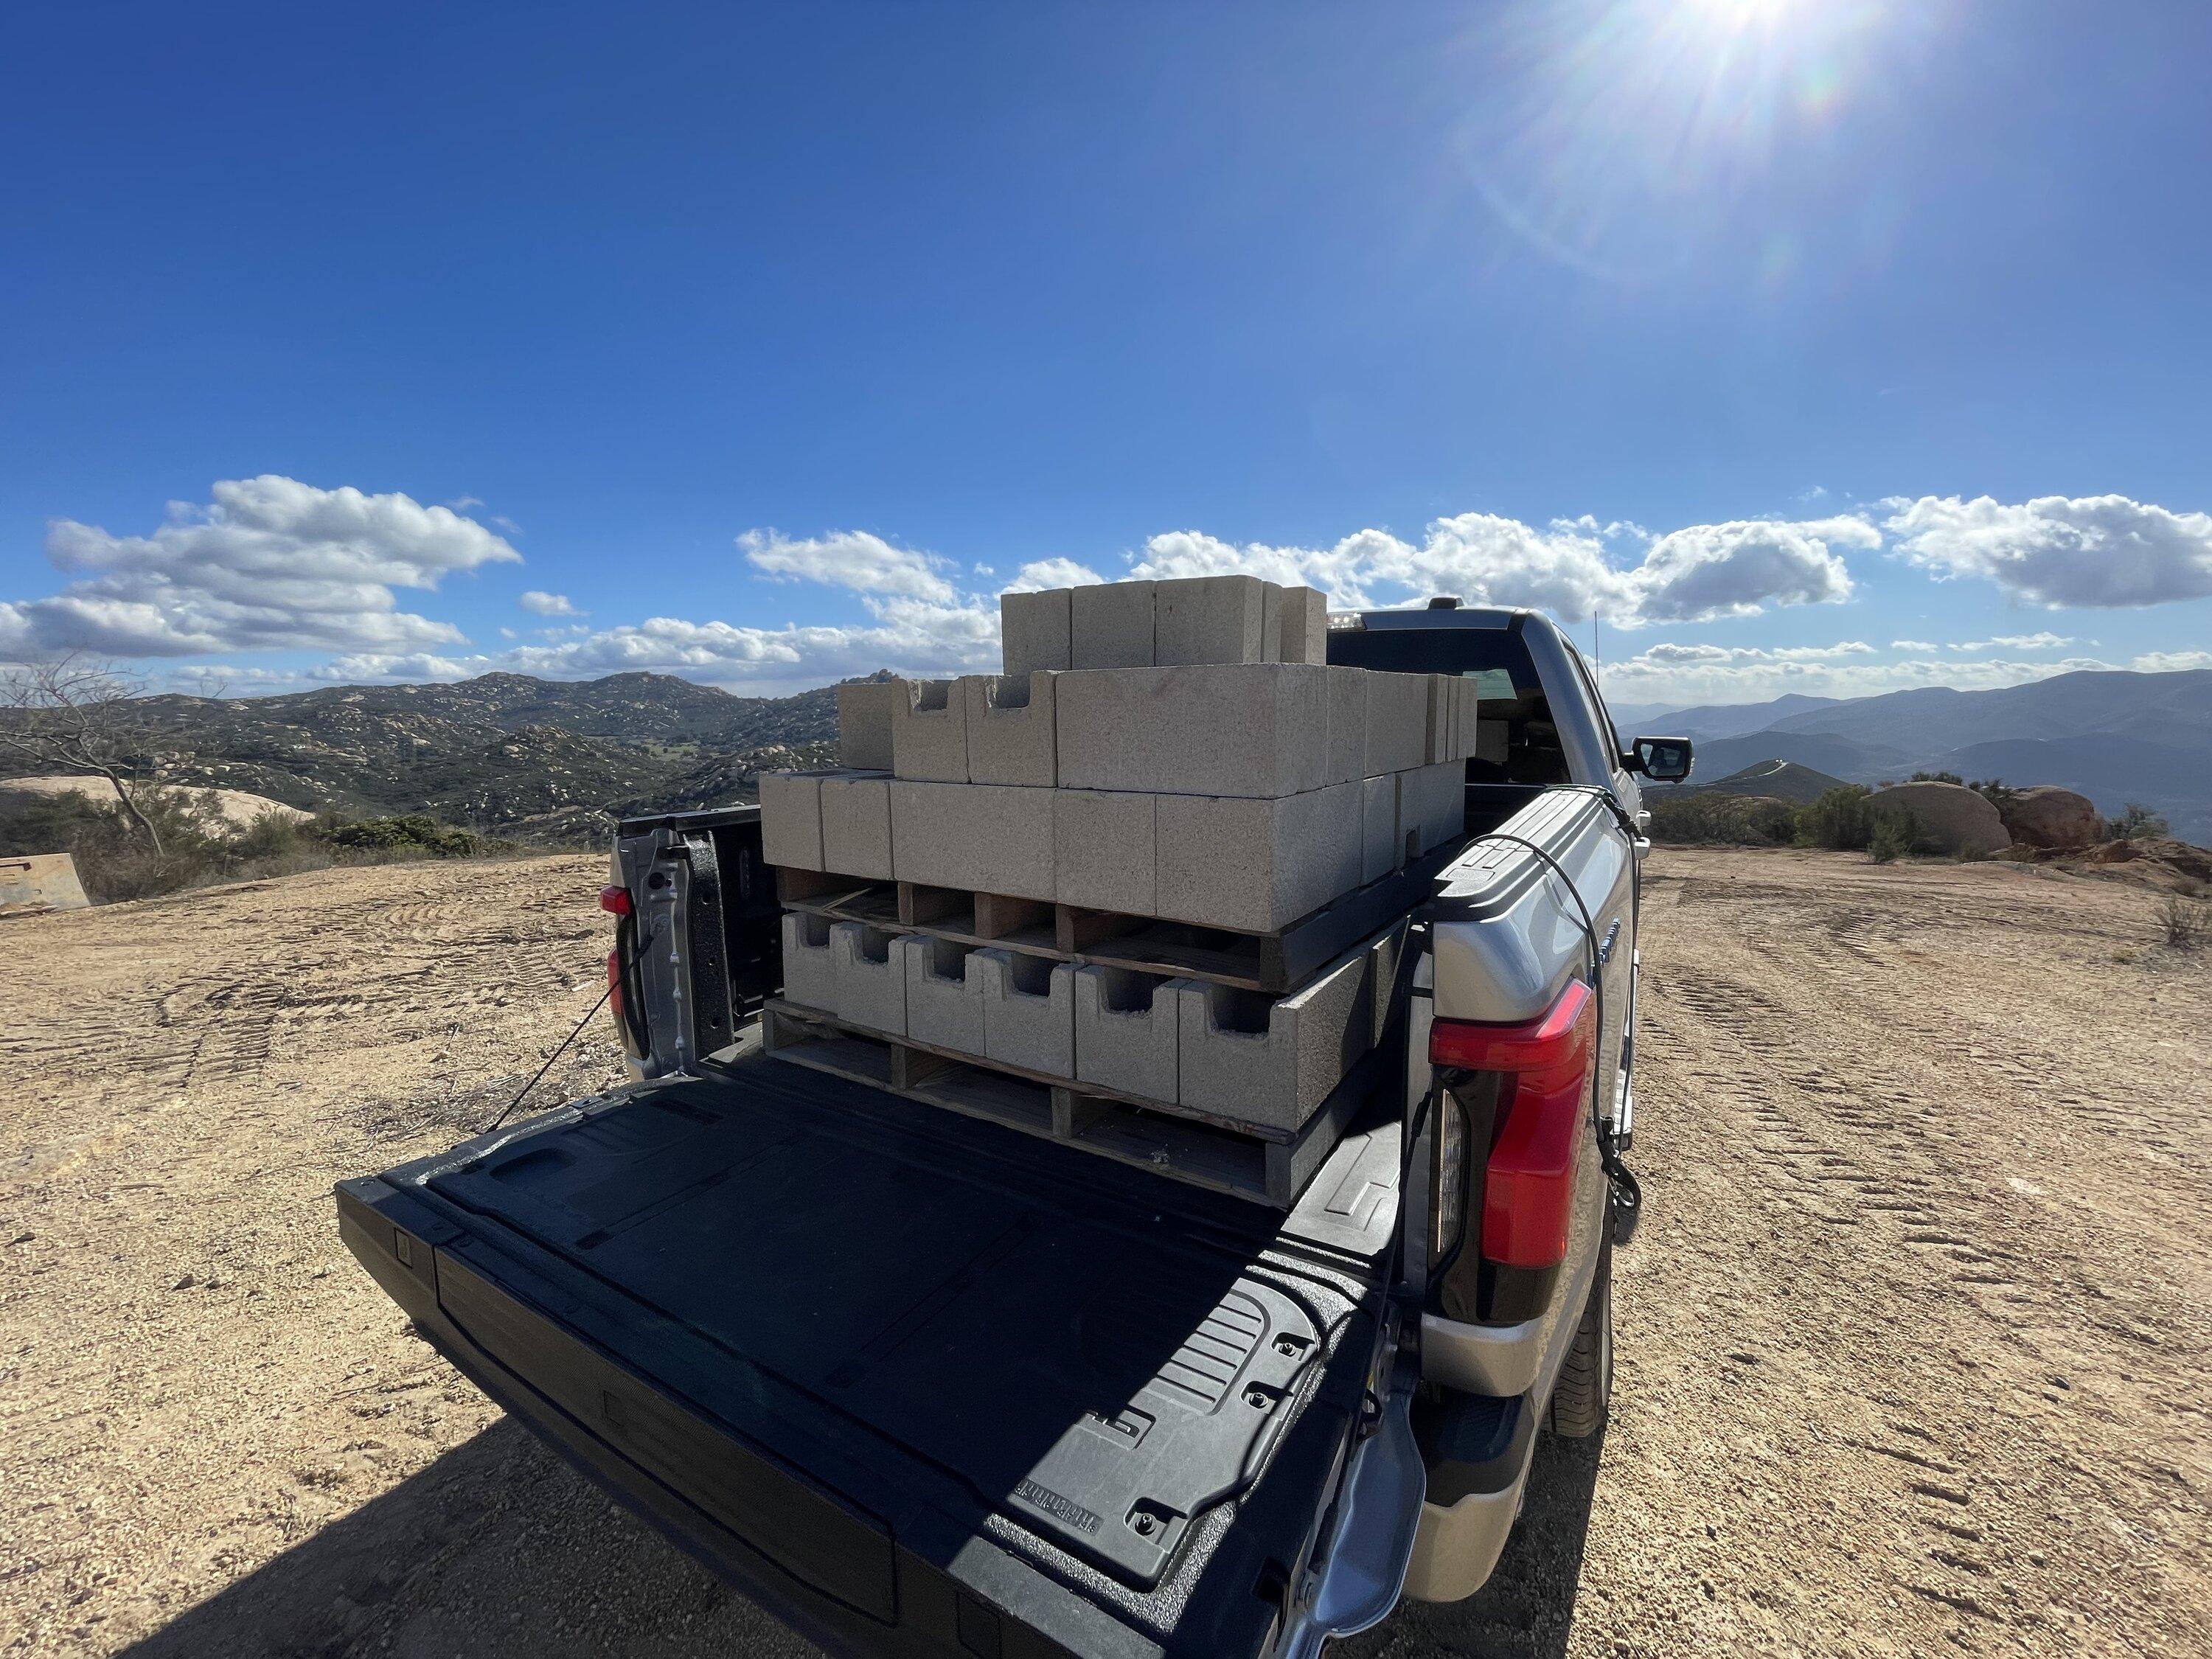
[(1954, 818), (2048, 816)]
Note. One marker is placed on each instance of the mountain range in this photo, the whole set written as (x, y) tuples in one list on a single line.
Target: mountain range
[(2115, 735)]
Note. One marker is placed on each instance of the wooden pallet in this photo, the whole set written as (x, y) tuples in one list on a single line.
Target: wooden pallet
[(1263, 1165), (1271, 964)]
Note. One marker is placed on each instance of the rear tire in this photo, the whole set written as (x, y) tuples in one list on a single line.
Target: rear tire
[(1582, 1397)]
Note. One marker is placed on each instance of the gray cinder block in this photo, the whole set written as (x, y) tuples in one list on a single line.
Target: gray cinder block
[(1347, 724), (791, 819), (864, 724), (943, 992), (810, 976), (1029, 1011), (1304, 628), (1273, 1060), (1125, 1030), (1207, 619), (1271, 624), (984, 837), (1011, 729), (1113, 624), (1432, 805), (1256, 866), (870, 977), (1470, 714), (1397, 723), (856, 826), (1387, 950), (929, 731), (1258, 729), (1441, 699), (1380, 848), (1036, 631), (1103, 849)]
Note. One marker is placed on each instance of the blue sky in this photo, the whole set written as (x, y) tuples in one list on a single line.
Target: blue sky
[(775, 341)]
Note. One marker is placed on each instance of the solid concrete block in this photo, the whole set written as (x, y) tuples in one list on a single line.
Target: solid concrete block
[(929, 731), (1011, 729), (986, 838), (1347, 724), (1273, 1060), (856, 826), (1036, 631), (1432, 806), (1029, 1011), (1271, 624), (1125, 1030), (1380, 848), (864, 724), (1208, 619), (1389, 955), (1257, 729), (810, 974), (1113, 624), (943, 992), (1256, 866), (1103, 849), (1437, 745), (1397, 723), (791, 819), (870, 977), (1305, 626), (1470, 714)]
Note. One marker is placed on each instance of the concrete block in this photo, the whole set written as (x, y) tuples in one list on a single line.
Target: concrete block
[(1113, 624), (1347, 724), (791, 819), (1436, 745), (1493, 741), (1029, 1011), (870, 977), (1380, 848), (1207, 619), (856, 826), (1397, 723), (929, 731), (943, 992), (1011, 729), (1103, 849), (864, 724), (1125, 1030), (810, 976), (984, 837), (1252, 729), (1256, 866), (1273, 1060), (1432, 806), (1388, 954), (1271, 624), (1304, 626), (1470, 714), (1036, 631)]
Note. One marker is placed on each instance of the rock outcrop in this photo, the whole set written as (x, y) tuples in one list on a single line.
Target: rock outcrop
[(2049, 817), (1954, 818)]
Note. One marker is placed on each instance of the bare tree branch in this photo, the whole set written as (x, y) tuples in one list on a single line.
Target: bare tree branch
[(72, 713)]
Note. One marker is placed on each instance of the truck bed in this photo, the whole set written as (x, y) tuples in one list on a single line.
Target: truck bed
[(919, 1383)]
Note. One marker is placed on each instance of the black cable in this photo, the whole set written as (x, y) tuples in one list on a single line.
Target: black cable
[(1628, 1194), (557, 1053)]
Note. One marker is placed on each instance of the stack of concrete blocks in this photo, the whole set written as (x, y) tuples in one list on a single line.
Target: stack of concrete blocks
[(1174, 750)]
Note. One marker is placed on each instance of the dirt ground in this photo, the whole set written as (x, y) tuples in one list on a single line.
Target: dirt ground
[(1913, 1345)]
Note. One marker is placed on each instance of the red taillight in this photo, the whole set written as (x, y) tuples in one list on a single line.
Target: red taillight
[(1528, 1193), (615, 901)]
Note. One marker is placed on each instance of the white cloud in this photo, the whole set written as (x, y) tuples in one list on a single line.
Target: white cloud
[(539, 603), (1039, 574), (849, 559), (1685, 674), (463, 503), (269, 563), (2094, 550), (1734, 569), (2019, 642), (2167, 662), (1914, 645)]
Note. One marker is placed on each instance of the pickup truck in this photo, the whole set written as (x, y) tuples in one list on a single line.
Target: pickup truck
[(921, 1384)]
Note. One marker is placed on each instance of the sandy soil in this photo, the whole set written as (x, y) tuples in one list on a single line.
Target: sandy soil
[(1913, 1347)]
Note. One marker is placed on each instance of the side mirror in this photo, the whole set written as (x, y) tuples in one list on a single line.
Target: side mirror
[(1662, 760)]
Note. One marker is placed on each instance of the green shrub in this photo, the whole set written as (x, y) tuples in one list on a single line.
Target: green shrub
[(2137, 823), (414, 833), (2185, 923), (1839, 820), (1893, 836), (1721, 820)]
